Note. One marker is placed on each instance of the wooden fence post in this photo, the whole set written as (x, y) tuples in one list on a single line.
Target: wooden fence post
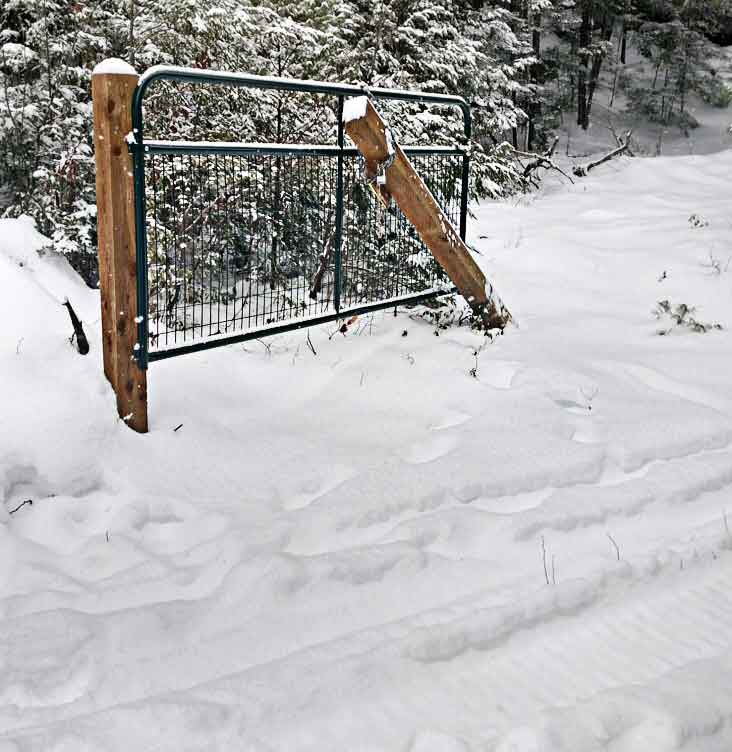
[(113, 85)]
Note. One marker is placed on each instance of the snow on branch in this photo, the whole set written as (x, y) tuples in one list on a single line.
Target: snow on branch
[(539, 161), (581, 170)]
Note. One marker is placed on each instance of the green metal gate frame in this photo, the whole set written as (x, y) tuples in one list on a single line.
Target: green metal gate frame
[(138, 146)]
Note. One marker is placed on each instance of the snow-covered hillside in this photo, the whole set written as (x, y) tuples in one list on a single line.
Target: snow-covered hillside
[(371, 548), (613, 116)]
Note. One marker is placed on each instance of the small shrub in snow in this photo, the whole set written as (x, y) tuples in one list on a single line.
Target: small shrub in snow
[(445, 312), (716, 265), (697, 221), (721, 97), (450, 311), (682, 316)]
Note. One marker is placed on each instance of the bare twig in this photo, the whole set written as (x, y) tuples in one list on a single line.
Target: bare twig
[(715, 265), (589, 396), (617, 548), (476, 355), (266, 346), (310, 344), (21, 505), (543, 559), (618, 139)]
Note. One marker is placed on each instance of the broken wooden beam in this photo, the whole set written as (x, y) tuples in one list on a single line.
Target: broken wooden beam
[(367, 130)]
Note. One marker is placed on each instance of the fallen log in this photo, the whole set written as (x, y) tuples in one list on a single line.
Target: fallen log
[(391, 174), (540, 160), (582, 170)]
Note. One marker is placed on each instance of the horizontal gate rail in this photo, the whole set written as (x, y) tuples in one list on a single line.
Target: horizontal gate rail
[(316, 150), (301, 323), (236, 165), (195, 75)]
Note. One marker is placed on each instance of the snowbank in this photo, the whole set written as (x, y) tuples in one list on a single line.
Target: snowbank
[(407, 541)]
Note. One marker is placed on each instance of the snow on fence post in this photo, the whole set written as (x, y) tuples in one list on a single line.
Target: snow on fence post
[(113, 85)]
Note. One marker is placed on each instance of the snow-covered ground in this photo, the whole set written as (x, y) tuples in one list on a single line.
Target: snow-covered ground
[(350, 551)]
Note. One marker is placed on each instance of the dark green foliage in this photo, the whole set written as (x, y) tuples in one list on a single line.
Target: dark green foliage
[(49, 47)]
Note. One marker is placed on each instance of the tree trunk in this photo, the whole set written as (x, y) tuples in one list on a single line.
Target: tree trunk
[(131, 32), (623, 44), (607, 30), (684, 73), (516, 8), (585, 37), (535, 106)]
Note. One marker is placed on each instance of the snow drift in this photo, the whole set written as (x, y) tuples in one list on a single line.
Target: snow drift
[(403, 542)]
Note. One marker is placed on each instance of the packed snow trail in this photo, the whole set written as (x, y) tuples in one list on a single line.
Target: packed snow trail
[(371, 548)]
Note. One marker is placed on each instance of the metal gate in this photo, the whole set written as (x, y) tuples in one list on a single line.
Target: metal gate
[(241, 240)]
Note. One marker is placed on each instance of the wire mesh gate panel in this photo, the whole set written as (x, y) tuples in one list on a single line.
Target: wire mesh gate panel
[(237, 240)]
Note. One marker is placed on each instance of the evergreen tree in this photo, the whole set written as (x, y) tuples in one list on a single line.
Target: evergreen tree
[(674, 36), (495, 53)]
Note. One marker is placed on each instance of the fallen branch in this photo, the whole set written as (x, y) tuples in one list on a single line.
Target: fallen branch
[(21, 505), (581, 171), (615, 545), (618, 139), (540, 160)]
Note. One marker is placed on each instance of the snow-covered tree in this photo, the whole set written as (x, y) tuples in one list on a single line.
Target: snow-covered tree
[(674, 36), (48, 48)]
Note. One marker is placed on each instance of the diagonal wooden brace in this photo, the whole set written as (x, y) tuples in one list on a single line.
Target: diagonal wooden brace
[(368, 131)]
